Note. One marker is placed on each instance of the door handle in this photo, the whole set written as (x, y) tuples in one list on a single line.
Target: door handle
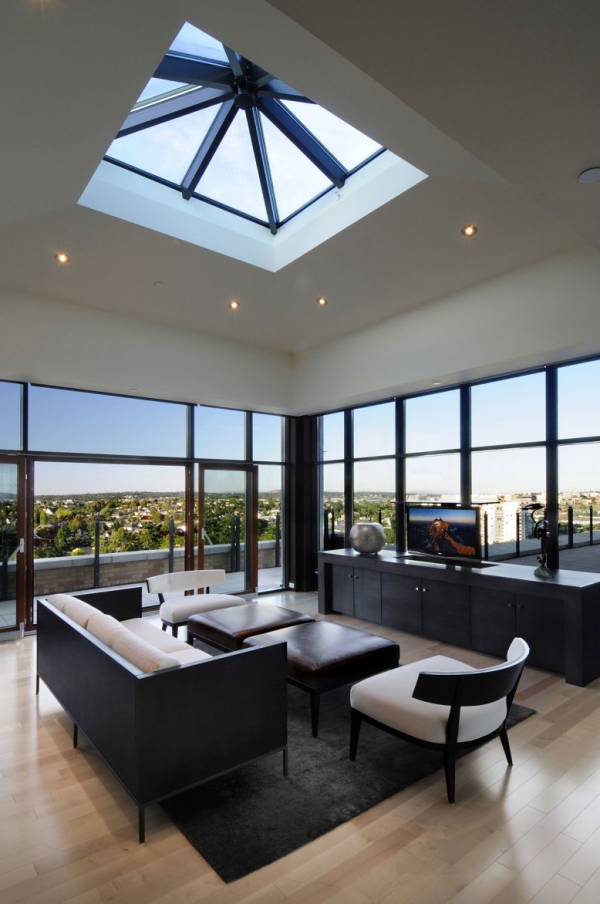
[(20, 548)]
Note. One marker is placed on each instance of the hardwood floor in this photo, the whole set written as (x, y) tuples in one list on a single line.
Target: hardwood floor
[(530, 833)]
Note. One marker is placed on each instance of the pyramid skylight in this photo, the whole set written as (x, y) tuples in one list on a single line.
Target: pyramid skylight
[(219, 132)]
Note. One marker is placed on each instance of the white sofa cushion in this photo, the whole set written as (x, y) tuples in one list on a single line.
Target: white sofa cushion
[(190, 655), (141, 627), (388, 698), (180, 608), (76, 609), (105, 628), (142, 654)]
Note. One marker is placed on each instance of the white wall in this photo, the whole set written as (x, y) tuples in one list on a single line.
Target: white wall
[(61, 344), (542, 313), (549, 311)]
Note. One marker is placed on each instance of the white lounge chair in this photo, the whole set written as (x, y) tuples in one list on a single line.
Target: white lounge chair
[(175, 612)]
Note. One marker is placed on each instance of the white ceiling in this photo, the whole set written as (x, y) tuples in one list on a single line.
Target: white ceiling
[(424, 83)]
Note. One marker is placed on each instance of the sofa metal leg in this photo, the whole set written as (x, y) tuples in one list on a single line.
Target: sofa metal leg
[(174, 630), (37, 684), (315, 699), (141, 824), (164, 626), (285, 762), (75, 735), (355, 723)]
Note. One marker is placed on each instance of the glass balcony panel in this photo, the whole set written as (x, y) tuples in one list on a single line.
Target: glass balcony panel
[(127, 508), (578, 496), (504, 481)]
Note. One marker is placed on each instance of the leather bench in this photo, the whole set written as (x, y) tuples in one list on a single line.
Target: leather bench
[(323, 655), (227, 629)]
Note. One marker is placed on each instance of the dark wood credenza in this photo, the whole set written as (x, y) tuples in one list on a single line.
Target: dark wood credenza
[(479, 608)]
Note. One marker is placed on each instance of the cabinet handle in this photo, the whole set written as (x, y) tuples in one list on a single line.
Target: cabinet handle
[(425, 590), (417, 589), (511, 605), (520, 607), (356, 577)]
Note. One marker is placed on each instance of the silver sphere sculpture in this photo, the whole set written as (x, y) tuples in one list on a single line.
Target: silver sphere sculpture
[(367, 538)]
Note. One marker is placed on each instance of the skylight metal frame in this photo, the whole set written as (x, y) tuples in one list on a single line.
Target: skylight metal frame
[(229, 84)]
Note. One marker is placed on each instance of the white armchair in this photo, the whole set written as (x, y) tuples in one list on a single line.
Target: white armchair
[(441, 703), (175, 611)]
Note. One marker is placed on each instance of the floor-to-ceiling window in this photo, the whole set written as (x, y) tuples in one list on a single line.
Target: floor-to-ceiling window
[(11, 508), (579, 454), (508, 436), (374, 467)]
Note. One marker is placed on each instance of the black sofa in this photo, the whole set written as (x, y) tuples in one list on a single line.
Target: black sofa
[(167, 731)]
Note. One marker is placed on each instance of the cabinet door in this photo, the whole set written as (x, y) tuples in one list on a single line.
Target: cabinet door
[(342, 589), (492, 620), (367, 595), (401, 603), (541, 622), (447, 613)]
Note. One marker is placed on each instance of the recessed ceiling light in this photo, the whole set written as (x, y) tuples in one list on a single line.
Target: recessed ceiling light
[(234, 305), (590, 175), (321, 301), (62, 257), (158, 284), (469, 230), (436, 383)]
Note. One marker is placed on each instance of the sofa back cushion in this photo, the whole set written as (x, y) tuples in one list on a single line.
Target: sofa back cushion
[(142, 654), (73, 608), (105, 628)]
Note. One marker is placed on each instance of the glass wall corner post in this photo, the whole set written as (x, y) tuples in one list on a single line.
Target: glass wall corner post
[(552, 465), (400, 478), (465, 445), (348, 475), (12, 544)]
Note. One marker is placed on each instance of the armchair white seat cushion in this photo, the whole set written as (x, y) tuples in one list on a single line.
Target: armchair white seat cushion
[(388, 698)]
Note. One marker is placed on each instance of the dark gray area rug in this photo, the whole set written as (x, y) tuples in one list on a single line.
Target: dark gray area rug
[(251, 817)]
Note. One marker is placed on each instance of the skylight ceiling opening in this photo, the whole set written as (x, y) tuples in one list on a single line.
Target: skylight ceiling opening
[(219, 130)]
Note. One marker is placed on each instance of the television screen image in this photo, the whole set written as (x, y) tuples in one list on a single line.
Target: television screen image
[(444, 532)]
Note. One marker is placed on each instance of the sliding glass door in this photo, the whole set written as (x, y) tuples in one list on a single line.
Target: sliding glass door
[(227, 524)]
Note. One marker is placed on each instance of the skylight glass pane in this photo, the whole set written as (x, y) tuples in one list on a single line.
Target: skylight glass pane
[(345, 142), (166, 150), (232, 177), (295, 179), (158, 86), (194, 42)]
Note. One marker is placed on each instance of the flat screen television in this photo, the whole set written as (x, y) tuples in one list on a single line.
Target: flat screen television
[(444, 533)]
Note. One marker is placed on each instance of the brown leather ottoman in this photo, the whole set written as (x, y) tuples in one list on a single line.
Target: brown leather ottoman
[(227, 629), (324, 655)]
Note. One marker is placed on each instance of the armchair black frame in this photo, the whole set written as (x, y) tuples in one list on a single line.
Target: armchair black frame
[(456, 689)]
